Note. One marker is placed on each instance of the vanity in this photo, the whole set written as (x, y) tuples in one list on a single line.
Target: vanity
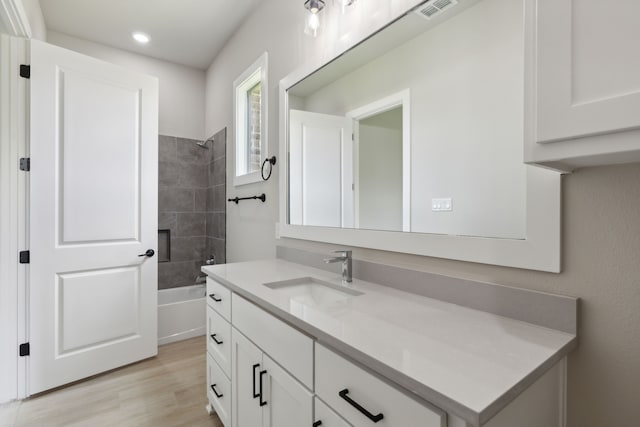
[(444, 134), (292, 345)]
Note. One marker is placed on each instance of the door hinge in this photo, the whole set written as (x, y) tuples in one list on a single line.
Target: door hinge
[(25, 257), (353, 136), (24, 349), (25, 71), (25, 164)]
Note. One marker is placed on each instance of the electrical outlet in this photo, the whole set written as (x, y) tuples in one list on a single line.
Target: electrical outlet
[(441, 205)]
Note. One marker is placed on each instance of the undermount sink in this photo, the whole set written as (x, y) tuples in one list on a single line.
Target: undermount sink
[(312, 291)]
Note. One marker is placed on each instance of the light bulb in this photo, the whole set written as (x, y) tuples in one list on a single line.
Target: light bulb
[(314, 22), (141, 37)]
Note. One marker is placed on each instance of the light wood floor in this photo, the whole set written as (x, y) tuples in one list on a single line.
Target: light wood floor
[(168, 390)]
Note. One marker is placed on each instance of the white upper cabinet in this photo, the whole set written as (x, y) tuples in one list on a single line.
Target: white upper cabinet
[(585, 83)]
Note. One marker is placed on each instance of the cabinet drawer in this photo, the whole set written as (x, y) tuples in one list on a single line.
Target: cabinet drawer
[(219, 298), (326, 416), (219, 340), (219, 391), (335, 374), (292, 349)]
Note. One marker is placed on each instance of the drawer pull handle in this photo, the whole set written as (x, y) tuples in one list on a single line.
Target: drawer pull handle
[(261, 402), (375, 418), (213, 337), (317, 424), (216, 299), (213, 387), (254, 380)]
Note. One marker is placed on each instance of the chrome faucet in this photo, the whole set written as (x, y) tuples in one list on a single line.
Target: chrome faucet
[(345, 259)]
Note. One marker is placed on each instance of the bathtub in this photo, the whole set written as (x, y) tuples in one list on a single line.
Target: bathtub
[(181, 313)]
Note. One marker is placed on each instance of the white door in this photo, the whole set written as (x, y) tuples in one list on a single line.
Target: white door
[(93, 204), (321, 153), (288, 403), (246, 368)]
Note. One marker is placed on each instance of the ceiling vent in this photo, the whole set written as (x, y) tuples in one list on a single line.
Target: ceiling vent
[(435, 7)]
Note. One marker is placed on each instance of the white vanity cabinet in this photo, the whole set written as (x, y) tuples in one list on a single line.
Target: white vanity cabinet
[(265, 372), (363, 399), (585, 94), (264, 394), (219, 350)]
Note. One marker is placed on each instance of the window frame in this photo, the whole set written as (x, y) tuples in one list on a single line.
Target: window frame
[(254, 74)]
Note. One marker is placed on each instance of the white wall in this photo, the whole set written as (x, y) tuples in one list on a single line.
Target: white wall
[(277, 26), (601, 236), (380, 171), (466, 78), (182, 88)]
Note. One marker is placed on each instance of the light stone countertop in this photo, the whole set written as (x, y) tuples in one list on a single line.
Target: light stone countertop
[(467, 362)]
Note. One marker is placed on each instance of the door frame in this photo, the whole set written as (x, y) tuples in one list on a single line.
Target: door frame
[(14, 211), (399, 99), (14, 18)]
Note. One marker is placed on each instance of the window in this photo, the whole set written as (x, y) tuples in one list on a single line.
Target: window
[(250, 93)]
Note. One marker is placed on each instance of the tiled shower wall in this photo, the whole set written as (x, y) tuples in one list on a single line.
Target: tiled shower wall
[(186, 175), (216, 199)]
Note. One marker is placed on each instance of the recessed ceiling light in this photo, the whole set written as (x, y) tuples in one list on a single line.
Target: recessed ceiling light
[(140, 37)]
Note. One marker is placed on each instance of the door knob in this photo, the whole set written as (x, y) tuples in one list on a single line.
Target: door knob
[(149, 253)]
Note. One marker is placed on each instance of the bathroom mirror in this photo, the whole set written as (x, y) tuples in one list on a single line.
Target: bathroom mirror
[(412, 142)]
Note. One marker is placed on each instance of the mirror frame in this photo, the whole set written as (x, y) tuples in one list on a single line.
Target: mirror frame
[(540, 250)]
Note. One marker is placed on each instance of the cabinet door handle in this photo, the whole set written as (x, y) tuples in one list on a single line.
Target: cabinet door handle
[(216, 299), (213, 387), (254, 380), (261, 402), (213, 337), (375, 418), (316, 424)]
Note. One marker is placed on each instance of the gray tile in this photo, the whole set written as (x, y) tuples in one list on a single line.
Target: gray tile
[(189, 152), (210, 199), (211, 174), (219, 171), (200, 200), (192, 175), (191, 224), (175, 274), (216, 225), (167, 220), (188, 248), (166, 148), (168, 173), (220, 144), (218, 248), (219, 201), (175, 200)]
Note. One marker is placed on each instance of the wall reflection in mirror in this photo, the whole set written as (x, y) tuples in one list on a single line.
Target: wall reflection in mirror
[(417, 129)]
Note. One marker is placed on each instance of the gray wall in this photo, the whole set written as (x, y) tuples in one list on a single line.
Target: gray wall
[(601, 232), (186, 173)]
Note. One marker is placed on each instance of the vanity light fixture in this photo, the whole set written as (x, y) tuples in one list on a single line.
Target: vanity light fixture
[(141, 38), (312, 20), (314, 6)]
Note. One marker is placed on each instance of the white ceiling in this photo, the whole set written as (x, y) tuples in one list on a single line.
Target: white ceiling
[(189, 32)]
